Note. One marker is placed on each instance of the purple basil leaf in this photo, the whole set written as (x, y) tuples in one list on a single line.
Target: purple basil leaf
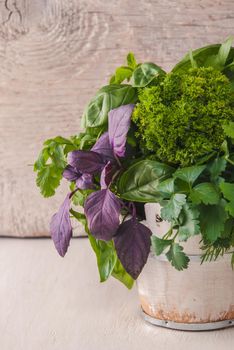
[(85, 182), (102, 210), (119, 123), (132, 243), (106, 175), (103, 147), (60, 227), (86, 161), (70, 173)]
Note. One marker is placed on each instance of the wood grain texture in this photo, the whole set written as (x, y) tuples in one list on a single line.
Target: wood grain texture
[(60, 305), (55, 54)]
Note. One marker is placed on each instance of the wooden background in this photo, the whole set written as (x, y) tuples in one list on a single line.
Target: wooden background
[(55, 54)]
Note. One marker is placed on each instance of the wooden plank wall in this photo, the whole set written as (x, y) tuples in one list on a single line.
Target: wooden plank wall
[(55, 54)]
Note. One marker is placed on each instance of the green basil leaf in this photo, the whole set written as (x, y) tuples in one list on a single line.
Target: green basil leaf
[(177, 257), (81, 218), (80, 196), (60, 140), (205, 193), (122, 73), (107, 98), (106, 257), (145, 73), (105, 254), (202, 56), (140, 182), (189, 174), (224, 51), (192, 60), (199, 55), (131, 61), (167, 187), (120, 273)]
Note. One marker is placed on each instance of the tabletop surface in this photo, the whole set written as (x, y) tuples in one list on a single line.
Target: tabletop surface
[(50, 303)]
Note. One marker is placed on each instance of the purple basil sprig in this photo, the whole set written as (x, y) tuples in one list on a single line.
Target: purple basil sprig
[(102, 208)]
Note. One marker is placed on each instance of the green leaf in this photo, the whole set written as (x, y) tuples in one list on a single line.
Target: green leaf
[(106, 257), (120, 273), (122, 73), (159, 244), (131, 61), (141, 180), (173, 207), (87, 142), (57, 156), (51, 163), (224, 51), (167, 187), (230, 208), (41, 160), (145, 73), (204, 159), (229, 129), (205, 193), (52, 151), (48, 179), (192, 60), (189, 174), (227, 190), (80, 196), (105, 251), (216, 167), (228, 193), (107, 261), (201, 56), (189, 225), (81, 218), (212, 220), (59, 140), (177, 257), (107, 98)]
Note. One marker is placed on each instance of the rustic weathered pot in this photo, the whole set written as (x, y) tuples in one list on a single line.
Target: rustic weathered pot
[(199, 298)]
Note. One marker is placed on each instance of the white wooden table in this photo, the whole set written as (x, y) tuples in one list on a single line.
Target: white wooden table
[(50, 303)]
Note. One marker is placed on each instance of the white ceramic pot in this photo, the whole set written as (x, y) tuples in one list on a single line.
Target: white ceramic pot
[(199, 298)]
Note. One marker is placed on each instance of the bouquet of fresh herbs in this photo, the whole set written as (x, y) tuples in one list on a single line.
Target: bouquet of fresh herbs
[(161, 137)]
